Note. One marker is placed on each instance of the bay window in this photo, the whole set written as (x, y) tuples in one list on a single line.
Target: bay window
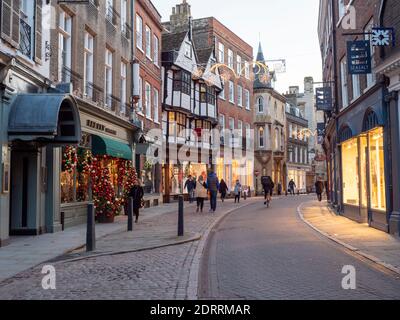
[(183, 82), (261, 137)]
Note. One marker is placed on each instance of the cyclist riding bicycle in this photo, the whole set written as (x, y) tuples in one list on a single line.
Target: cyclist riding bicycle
[(268, 186)]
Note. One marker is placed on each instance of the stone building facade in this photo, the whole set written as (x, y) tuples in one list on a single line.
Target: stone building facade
[(34, 119), (269, 128)]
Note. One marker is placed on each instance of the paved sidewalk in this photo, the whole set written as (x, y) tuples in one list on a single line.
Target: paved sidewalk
[(168, 272), (370, 243), (26, 252)]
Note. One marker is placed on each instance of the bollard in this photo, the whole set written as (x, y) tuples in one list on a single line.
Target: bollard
[(130, 214), (181, 228), (62, 221), (91, 230)]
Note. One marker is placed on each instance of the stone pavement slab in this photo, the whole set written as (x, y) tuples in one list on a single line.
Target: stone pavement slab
[(370, 243), (26, 252)]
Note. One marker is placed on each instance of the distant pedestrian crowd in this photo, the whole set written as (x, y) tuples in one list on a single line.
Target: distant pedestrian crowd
[(201, 189)]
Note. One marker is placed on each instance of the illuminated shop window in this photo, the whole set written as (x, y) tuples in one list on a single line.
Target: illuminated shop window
[(377, 170), (350, 172)]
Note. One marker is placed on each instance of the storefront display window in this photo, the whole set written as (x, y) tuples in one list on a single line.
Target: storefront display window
[(377, 170), (350, 172), (68, 174), (67, 186), (363, 173)]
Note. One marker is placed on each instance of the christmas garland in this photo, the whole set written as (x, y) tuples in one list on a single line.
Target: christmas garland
[(70, 159)]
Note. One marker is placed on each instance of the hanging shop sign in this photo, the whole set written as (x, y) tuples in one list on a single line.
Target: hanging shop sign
[(324, 99), (321, 129), (359, 57), (383, 37)]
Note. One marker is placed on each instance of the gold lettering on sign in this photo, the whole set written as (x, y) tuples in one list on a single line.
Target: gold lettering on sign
[(100, 127)]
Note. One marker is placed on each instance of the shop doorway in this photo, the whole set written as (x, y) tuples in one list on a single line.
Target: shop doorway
[(23, 193)]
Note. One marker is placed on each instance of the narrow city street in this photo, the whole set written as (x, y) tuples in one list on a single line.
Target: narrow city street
[(253, 253), (261, 253)]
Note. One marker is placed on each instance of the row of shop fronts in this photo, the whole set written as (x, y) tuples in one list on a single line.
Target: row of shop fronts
[(48, 140), (359, 162)]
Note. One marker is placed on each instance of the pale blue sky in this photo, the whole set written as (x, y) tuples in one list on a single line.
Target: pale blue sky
[(288, 30)]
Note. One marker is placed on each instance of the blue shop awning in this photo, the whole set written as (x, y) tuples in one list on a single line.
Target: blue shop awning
[(102, 146), (49, 118)]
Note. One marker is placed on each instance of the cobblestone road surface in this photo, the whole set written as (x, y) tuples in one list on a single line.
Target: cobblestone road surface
[(271, 254), (154, 274)]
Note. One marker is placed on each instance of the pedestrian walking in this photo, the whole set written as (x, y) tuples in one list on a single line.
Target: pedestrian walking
[(213, 187), (223, 189), (200, 193), (319, 189), (268, 186), (237, 191), (245, 192), (292, 186), (279, 189), (190, 185), (137, 194)]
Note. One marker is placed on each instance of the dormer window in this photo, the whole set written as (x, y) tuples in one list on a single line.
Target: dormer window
[(188, 50)]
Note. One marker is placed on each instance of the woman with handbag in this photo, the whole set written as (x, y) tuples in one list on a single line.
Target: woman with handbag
[(200, 193), (137, 194)]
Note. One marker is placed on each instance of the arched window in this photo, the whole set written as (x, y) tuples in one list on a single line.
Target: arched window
[(261, 137), (276, 109), (370, 121), (260, 104), (346, 134)]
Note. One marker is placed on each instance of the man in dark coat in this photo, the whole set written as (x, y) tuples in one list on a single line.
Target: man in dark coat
[(136, 194), (223, 189), (319, 189), (268, 186), (213, 187)]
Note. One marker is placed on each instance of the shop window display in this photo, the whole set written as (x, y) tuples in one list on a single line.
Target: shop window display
[(110, 180), (377, 170), (350, 172)]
